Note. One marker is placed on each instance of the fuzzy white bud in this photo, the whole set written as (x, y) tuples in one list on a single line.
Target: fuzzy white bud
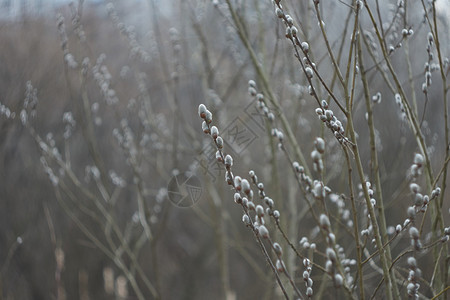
[(246, 220), (411, 212), (245, 186), (414, 233), (331, 254), (418, 159), (208, 117), (412, 263), (237, 198), (320, 145), (263, 232), (280, 266), (338, 280), (237, 182), (202, 111), (214, 132), (218, 156), (219, 142), (324, 221), (305, 46), (259, 211), (376, 98), (414, 187), (205, 127), (278, 250), (279, 13), (309, 72), (228, 161)]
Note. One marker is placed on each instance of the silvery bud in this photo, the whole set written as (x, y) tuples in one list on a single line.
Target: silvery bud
[(246, 220), (414, 233), (208, 117), (229, 177), (205, 127), (245, 186), (260, 98), (276, 214), (324, 221), (305, 275), (418, 159), (251, 205), (279, 13), (430, 38), (306, 262), (237, 198), (309, 72), (228, 161), (245, 202), (237, 182), (288, 32), (263, 232), (329, 266), (329, 114), (331, 238), (412, 263), (376, 98), (268, 201), (289, 19), (202, 111), (418, 199), (411, 289), (214, 132), (320, 145), (315, 156), (305, 46), (414, 187), (294, 31), (338, 280), (411, 212), (278, 250), (331, 254), (406, 223), (218, 156), (280, 136), (280, 266), (260, 211), (219, 142), (436, 192)]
